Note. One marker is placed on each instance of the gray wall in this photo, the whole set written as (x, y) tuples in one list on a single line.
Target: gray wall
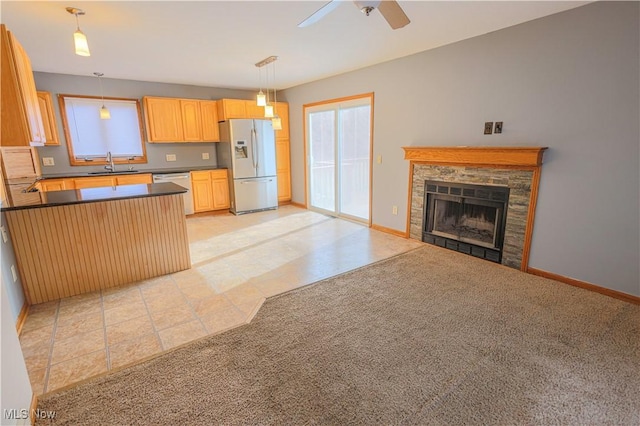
[(187, 154), (568, 81), (13, 290), (16, 389)]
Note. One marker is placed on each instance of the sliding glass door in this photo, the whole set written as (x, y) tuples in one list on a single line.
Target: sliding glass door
[(339, 157)]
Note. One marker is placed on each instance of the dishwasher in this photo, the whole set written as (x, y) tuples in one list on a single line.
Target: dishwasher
[(182, 179)]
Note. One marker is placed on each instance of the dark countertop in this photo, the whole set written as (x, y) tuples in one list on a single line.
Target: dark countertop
[(32, 200), (122, 172)]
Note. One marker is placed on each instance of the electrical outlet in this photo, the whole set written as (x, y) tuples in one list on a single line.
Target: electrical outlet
[(205, 155), (48, 161), (498, 127), (394, 210), (379, 159), (14, 274), (4, 234), (488, 127), (171, 157)]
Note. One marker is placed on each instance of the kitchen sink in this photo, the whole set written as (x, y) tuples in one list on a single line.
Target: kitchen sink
[(117, 172)]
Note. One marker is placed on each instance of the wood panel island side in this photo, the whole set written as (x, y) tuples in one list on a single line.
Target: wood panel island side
[(78, 241)]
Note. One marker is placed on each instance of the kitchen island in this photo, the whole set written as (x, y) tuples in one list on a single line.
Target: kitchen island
[(77, 241)]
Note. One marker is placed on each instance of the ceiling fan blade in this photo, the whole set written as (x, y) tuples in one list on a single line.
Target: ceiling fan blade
[(320, 13), (393, 13)]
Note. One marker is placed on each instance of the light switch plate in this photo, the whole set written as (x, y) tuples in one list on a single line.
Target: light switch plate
[(48, 161), (171, 157), (205, 155)]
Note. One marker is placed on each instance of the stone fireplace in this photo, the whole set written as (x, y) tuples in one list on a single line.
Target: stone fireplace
[(476, 200)]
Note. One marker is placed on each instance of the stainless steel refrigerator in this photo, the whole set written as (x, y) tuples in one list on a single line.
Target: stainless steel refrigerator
[(247, 148)]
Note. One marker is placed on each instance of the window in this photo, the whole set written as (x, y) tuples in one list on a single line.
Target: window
[(89, 138)]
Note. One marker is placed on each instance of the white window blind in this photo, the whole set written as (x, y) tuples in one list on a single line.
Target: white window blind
[(93, 137)]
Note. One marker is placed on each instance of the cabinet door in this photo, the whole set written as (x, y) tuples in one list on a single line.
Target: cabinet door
[(163, 119), (48, 118), (202, 191), (94, 182), (231, 108), (283, 169), (28, 89), (134, 179), (21, 119), (191, 120), (220, 189), (282, 109), (48, 185), (210, 130), (253, 110)]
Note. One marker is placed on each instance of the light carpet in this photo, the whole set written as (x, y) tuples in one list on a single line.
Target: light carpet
[(427, 337)]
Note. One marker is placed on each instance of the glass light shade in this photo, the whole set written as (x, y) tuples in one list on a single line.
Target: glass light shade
[(276, 123), (80, 41), (261, 99), (268, 111), (104, 113)]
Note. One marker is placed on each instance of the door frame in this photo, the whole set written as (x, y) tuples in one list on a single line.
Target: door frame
[(369, 95)]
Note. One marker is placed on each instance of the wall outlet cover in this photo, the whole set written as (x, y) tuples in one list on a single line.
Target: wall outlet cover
[(171, 157), (498, 127), (488, 126), (205, 155), (48, 161)]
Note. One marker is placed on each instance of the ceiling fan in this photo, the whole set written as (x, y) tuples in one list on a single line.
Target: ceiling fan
[(389, 9)]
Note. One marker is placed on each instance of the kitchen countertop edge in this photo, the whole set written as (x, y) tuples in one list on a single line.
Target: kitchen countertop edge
[(123, 192)]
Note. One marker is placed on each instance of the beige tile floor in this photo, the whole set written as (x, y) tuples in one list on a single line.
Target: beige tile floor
[(237, 262)]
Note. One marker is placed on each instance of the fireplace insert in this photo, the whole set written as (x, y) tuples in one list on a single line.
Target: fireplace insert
[(465, 217)]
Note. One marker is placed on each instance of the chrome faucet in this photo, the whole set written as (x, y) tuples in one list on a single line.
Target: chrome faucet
[(110, 167)]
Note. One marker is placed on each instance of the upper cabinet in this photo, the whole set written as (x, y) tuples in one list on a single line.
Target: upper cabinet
[(180, 120), (21, 119), (191, 120), (231, 108), (48, 118), (210, 129), (163, 119), (242, 108)]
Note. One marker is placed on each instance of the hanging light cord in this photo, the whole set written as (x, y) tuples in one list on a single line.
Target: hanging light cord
[(275, 96)]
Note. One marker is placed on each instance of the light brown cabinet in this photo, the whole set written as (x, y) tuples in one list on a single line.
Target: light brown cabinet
[(163, 119), (191, 120), (47, 185), (210, 129), (48, 118), (134, 179), (180, 120), (283, 154), (210, 190), (21, 118), (231, 108)]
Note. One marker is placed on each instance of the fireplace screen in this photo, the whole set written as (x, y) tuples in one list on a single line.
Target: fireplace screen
[(473, 223), (466, 218)]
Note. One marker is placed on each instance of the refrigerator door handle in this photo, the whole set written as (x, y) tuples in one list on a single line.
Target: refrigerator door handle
[(244, 182), (253, 148)]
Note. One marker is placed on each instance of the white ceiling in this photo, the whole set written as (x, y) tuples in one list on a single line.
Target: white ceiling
[(217, 43)]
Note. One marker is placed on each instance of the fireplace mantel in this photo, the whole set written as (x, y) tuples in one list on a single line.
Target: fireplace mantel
[(485, 156), (516, 167)]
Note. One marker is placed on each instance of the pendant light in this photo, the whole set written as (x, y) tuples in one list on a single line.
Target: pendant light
[(261, 99), (79, 39), (276, 122), (268, 108), (104, 112)]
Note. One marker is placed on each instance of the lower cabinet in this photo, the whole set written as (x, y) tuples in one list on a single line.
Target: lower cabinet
[(210, 190), (47, 185)]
